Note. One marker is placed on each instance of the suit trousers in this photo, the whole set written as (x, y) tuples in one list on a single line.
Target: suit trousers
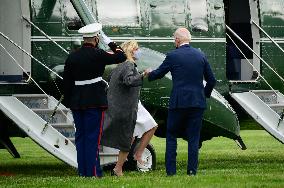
[(88, 123), (186, 123)]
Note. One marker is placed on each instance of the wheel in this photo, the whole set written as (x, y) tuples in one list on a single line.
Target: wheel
[(149, 156)]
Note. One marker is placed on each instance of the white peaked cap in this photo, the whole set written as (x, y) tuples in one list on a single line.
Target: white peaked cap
[(90, 30)]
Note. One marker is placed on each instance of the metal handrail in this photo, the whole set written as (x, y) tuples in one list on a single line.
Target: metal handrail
[(23, 50), (22, 68), (42, 32), (267, 35), (239, 38), (57, 105), (252, 64), (273, 90)]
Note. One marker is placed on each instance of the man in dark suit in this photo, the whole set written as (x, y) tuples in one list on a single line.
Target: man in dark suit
[(188, 67), (85, 95)]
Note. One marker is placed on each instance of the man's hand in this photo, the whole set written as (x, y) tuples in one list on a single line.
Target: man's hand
[(146, 72)]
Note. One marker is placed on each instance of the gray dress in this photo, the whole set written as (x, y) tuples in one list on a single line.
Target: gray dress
[(123, 96)]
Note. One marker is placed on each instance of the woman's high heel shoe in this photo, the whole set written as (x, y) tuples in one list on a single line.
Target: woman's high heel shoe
[(114, 173), (142, 166)]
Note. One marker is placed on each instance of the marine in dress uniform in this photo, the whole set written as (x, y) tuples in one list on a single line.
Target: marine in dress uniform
[(85, 94), (188, 67)]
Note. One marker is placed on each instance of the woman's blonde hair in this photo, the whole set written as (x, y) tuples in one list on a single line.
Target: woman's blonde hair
[(128, 47)]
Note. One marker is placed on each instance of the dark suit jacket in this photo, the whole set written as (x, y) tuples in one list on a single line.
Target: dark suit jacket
[(85, 64), (188, 67)]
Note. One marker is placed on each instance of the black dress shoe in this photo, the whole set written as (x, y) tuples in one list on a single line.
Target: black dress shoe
[(171, 174), (191, 173)]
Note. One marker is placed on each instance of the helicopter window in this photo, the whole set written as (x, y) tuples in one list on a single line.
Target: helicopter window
[(119, 13), (198, 11), (167, 14)]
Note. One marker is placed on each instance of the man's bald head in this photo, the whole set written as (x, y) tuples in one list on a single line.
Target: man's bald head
[(182, 35)]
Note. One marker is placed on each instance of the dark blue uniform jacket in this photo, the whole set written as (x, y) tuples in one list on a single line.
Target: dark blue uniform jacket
[(85, 64)]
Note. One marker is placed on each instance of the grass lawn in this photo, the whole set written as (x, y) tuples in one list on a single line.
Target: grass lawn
[(221, 164)]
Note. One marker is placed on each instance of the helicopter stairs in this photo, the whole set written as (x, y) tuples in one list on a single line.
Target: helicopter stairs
[(266, 107), (56, 134)]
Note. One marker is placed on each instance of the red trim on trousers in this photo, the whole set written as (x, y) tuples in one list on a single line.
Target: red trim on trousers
[(99, 139)]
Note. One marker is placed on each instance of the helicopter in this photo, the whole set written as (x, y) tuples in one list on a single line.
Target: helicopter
[(242, 40)]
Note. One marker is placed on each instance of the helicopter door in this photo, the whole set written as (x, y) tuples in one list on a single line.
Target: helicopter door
[(238, 15), (13, 26)]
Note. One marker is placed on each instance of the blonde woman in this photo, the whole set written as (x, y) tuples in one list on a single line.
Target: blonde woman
[(123, 97)]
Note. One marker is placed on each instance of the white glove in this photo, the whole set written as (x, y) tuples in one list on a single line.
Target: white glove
[(106, 39)]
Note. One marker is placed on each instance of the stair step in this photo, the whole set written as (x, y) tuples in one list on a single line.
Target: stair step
[(72, 139), (39, 101), (67, 133), (47, 110), (33, 101), (59, 117), (62, 125), (109, 154), (268, 96), (278, 108), (29, 95), (67, 130), (276, 105), (264, 91)]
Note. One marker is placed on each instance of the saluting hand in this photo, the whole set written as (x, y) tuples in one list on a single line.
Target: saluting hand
[(106, 39)]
